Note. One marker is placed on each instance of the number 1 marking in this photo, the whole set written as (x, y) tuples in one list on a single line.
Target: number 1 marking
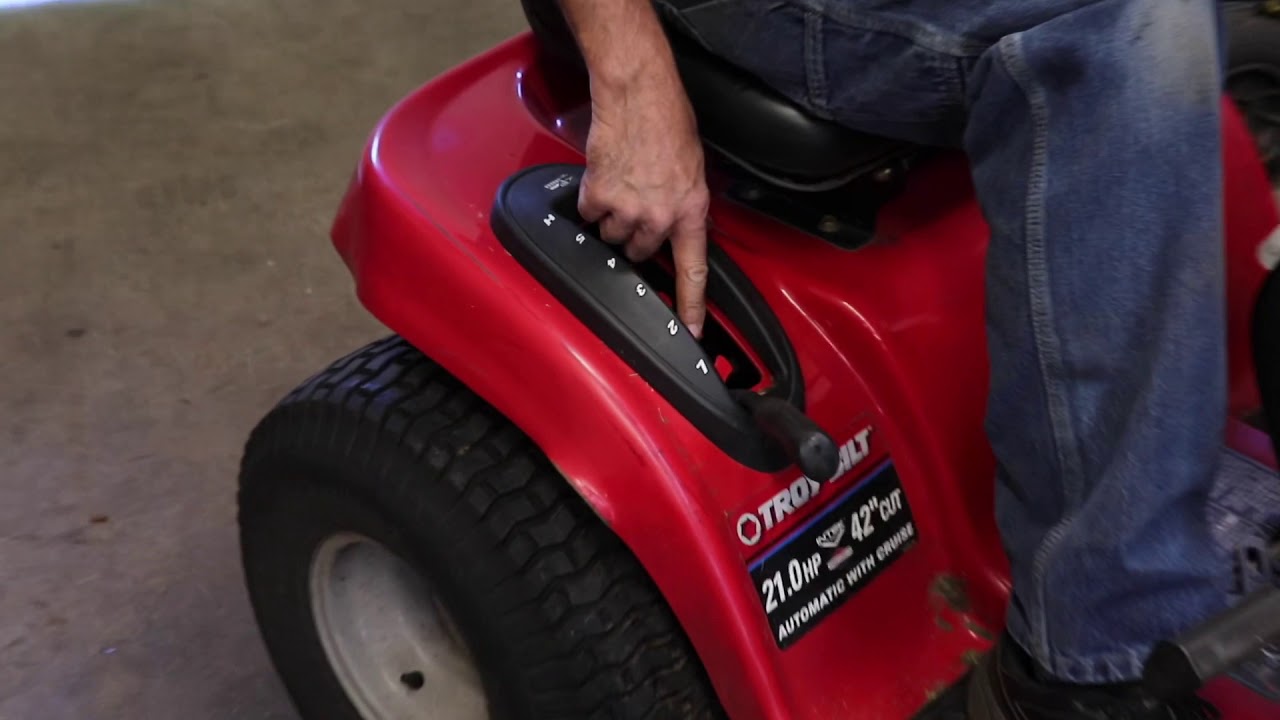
[(702, 365)]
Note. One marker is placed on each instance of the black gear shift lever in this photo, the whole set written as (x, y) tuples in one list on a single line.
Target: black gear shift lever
[(806, 444)]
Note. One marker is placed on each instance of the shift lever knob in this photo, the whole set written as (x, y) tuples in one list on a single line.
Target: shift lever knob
[(806, 444)]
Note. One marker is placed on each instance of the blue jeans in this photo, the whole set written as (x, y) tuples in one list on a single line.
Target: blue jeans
[(1093, 132)]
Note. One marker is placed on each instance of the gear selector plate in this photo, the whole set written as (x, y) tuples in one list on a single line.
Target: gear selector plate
[(535, 217)]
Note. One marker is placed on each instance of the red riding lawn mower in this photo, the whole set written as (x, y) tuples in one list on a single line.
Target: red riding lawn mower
[(542, 498)]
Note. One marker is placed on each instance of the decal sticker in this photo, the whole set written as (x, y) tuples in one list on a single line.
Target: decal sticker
[(562, 181), (826, 561), (754, 525)]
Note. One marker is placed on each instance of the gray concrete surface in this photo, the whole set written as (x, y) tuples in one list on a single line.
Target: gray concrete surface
[(168, 171)]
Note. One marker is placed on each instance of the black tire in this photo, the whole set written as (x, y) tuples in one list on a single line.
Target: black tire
[(561, 619), (1253, 74)]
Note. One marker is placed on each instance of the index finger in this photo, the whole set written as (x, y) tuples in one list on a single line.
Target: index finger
[(689, 252)]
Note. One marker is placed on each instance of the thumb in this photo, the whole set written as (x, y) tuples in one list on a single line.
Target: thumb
[(591, 207)]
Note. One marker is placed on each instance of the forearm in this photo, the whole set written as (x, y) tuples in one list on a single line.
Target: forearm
[(622, 42)]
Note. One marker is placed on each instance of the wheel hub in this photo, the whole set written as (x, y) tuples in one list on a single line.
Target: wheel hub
[(389, 639)]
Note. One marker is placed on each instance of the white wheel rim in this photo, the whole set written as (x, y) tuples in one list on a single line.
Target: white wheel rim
[(388, 638)]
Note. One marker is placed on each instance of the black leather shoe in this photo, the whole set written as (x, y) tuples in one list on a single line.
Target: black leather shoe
[(1004, 686)]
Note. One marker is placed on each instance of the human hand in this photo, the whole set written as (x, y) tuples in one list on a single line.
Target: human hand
[(645, 181)]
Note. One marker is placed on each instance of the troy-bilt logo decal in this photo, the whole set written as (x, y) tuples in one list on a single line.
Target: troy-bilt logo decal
[(807, 577), (753, 526)]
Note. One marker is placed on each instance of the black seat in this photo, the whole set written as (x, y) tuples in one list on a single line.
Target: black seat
[(743, 119)]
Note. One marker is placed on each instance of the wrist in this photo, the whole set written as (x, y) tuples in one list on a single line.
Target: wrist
[(631, 83), (624, 46)]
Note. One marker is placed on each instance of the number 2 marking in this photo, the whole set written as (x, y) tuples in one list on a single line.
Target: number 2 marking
[(867, 527), (775, 592)]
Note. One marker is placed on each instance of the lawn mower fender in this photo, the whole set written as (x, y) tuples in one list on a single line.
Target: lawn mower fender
[(639, 464), (508, 343)]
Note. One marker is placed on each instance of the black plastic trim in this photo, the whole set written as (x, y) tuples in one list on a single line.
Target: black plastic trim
[(524, 199), (1266, 353)]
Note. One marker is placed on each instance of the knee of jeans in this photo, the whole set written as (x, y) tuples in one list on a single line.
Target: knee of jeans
[(1174, 50)]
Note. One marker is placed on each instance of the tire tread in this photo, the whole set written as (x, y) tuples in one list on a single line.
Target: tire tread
[(598, 639)]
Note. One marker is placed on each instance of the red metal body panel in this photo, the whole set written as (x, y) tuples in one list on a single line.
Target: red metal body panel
[(890, 336)]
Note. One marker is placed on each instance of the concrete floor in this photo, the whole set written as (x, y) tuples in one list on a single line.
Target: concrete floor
[(167, 175)]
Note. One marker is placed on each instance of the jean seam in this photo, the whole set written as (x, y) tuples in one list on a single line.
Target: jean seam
[(815, 70), (1047, 347), (1121, 666), (694, 7), (920, 34), (683, 16)]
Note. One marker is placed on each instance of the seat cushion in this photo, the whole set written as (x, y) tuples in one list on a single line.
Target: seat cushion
[(746, 121)]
